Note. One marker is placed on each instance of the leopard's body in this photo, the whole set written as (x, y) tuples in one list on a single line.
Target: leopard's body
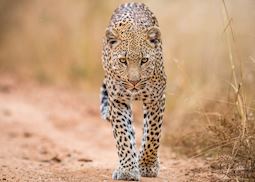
[(133, 64)]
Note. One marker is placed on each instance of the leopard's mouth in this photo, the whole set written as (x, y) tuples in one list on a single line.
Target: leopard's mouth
[(134, 90)]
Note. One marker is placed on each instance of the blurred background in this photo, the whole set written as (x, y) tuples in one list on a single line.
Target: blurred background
[(60, 43)]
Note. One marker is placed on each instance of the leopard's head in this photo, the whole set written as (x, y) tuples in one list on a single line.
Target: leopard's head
[(132, 47)]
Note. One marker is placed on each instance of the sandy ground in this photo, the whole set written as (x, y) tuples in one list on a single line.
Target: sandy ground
[(56, 134)]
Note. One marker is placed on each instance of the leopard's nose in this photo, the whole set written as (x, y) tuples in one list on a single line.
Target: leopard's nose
[(134, 82)]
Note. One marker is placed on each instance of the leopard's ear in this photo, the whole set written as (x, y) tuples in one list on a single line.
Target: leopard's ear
[(154, 36), (111, 37)]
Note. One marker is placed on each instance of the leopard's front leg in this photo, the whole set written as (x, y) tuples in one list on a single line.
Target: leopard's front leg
[(153, 118), (123, 132)]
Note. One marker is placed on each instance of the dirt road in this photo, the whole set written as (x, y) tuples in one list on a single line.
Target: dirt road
[(56, 134)]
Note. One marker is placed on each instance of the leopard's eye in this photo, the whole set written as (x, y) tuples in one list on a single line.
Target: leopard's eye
[(144, 60), (123, 61)]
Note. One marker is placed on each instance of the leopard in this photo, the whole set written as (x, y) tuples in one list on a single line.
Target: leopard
[(133, 64)]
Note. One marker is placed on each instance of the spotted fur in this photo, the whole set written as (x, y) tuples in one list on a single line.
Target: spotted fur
[(133, 64)]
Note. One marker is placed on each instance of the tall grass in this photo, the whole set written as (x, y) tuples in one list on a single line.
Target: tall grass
[(228, 135), (239, 132)]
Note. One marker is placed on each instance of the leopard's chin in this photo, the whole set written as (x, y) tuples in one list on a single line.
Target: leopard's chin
[(133, 91)]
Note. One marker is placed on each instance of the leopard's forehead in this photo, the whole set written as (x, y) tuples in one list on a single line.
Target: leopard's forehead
[(130, 22), (133, 15)]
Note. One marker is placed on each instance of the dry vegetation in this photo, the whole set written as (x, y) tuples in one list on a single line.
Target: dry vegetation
[(209, 58), (228, 134)]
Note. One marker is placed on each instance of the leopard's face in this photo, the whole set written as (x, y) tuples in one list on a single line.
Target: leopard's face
[(133, 52)]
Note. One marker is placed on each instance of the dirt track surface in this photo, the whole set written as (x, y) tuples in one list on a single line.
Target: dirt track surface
[(56, 134)]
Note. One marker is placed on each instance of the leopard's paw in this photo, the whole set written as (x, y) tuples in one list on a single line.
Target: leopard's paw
[(149, 170), (130, 175)]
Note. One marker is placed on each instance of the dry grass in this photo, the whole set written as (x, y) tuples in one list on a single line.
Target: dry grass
[(229, 134), (236, 136), (224, 139)]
